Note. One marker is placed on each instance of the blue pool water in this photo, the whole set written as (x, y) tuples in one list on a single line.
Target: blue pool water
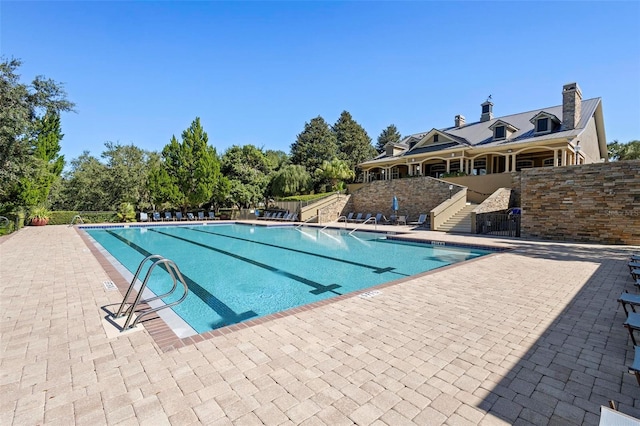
[(240, 272)]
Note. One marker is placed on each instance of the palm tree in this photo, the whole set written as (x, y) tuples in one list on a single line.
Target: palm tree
[(335, 171)]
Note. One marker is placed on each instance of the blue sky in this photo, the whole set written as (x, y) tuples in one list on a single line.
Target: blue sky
[(256, 72)]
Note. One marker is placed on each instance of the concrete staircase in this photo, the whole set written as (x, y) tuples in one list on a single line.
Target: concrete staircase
[(459, 222)]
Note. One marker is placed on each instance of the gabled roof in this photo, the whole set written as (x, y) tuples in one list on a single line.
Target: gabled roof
[(480, 133), (499, 122), (544, 114)]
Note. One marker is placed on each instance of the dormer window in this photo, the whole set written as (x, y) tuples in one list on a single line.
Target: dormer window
[(502, 130), (435, 138), (544, 122), (542, 125)]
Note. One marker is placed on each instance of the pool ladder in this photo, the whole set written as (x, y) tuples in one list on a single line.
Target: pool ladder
[(375, 222), (175, 274)]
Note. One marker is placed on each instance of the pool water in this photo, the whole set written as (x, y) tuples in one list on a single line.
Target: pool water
[(238, 272)]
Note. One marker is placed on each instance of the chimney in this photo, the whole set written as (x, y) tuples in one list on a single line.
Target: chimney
[(459, 120), (571, 105), (487, 111)]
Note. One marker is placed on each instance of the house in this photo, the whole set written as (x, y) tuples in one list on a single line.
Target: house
[(568, 134)]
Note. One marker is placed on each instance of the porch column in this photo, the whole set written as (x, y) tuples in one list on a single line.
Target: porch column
[(448, 165), (564, 157), (471, 166), (513, 162), (555, 158), (463, 164), (507, 160)]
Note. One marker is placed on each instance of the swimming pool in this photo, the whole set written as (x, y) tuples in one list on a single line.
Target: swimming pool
[(237, 272)]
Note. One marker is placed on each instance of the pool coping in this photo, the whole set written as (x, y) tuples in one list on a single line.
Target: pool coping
[(167, 340)]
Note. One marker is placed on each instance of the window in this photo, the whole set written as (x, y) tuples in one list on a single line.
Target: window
[(485, 108), (435, 138), (499, 132), (542, 125), (523, 164)]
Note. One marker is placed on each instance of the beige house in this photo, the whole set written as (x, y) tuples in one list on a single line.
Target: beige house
[(567, 134)]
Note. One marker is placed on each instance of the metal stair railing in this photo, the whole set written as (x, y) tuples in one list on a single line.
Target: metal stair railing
[(4, 222), (174, 272), (306, 221), (336, 221), (368, 220), (76, 219)]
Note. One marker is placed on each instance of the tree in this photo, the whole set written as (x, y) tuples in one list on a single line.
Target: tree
[(192, 167), (22, 117), (335, 172), (354, 144), (292, 179), (248, 170), (127, 180), (390, 134), (276, 159), (624, 151), (84, 186), (315, 144)]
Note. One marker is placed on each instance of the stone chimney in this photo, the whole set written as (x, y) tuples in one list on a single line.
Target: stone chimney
[(487, 111), (459, 120), (571, 105)]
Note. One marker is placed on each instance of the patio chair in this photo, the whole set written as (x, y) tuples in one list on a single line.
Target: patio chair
[(200, 215), (212, 216), (632, 300), (366, 218), (421, 220), (179, 216), (379, 218), (156, 216), (168, 216), (349, 217), (294, 218), (635, 258), (635, 367), (402, 220), (632, 324), (144, 217), (633, 265), (392, 220), (610, 416), (190, 216), (358, 218), (635, 274), (265, 216)]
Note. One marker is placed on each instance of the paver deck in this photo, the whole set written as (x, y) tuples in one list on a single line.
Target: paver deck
[(529, 336)]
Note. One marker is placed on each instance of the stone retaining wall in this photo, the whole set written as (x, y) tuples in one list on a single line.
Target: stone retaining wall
[(597, 203), (416, 196)]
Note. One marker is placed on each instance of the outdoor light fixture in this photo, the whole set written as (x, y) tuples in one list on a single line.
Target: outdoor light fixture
[(577, 149), (450, 190)]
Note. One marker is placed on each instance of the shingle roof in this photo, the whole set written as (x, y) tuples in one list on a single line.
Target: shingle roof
[(479, 134)]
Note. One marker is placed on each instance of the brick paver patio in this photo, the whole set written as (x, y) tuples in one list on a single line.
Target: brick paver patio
[(529, 336)]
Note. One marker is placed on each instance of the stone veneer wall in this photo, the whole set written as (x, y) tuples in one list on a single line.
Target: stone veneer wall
[(498, 201), (416, 196), (597, 203), (333, 211)]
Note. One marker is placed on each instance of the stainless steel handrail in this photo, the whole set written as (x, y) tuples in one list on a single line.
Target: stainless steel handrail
[(368, 220), (174, 272), (73, 221), (306, 221), (5, 222), (337, 221)]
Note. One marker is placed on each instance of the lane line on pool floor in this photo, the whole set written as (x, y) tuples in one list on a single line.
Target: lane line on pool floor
[(318, 287), (227, 315), (375, 269)]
